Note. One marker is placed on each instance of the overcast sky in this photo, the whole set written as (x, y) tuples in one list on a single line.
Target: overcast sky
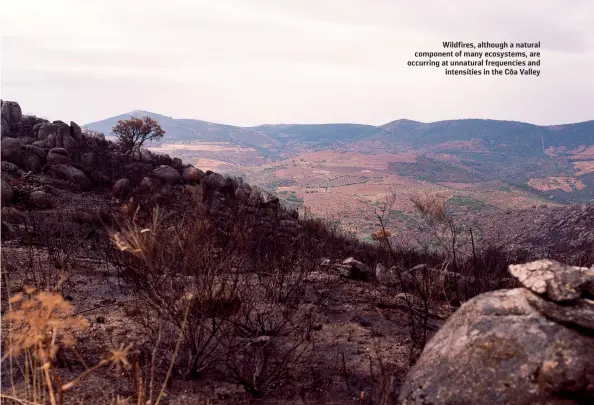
[(250, 62)]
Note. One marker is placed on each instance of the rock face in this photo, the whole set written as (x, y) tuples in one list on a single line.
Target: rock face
[(530, 345)]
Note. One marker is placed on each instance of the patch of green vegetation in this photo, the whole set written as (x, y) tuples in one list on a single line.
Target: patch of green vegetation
[(463, 201), (398, 215), (293, 198)]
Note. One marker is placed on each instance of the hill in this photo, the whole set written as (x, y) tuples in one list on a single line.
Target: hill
[(212, 290), (489, 136), (547, 162)]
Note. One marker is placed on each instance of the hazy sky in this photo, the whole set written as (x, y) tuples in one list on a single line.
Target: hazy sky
[(249, 62)]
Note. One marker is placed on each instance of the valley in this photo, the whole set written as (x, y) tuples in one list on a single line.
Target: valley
[(346, 172)]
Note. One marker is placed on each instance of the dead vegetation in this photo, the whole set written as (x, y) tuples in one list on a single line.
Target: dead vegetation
[(229, 305)]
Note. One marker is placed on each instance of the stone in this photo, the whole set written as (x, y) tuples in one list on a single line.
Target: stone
[(556, 281), (121, 188), (177, 163), (11, 113), (214, 181), (39, 151), (11, 150), (386, 276), (71, 174), (30, 161), (41, 199), (36, 129), (143, 155), (167, 174), (8, 167), (70, 144), (192, 175), (148, 185), (7, 193), (530, 345), (76, 132), (58, 156), (355, 269), (41, 144), (136, 171), (45, 130), (162, 159)]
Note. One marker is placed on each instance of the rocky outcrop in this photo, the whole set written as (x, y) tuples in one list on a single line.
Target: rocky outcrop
[(529, 345), (63, 156)]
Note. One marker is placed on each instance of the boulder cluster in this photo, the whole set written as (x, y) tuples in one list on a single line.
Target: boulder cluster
[(45, 159)]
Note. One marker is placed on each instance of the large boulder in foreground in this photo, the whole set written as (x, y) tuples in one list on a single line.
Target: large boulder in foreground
[(530, 345)]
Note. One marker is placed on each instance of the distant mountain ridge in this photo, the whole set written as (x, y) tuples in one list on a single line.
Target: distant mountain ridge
[(555, 161), (513, 137)]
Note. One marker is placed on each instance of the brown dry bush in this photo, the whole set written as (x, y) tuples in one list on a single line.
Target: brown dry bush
[(37, 326)]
